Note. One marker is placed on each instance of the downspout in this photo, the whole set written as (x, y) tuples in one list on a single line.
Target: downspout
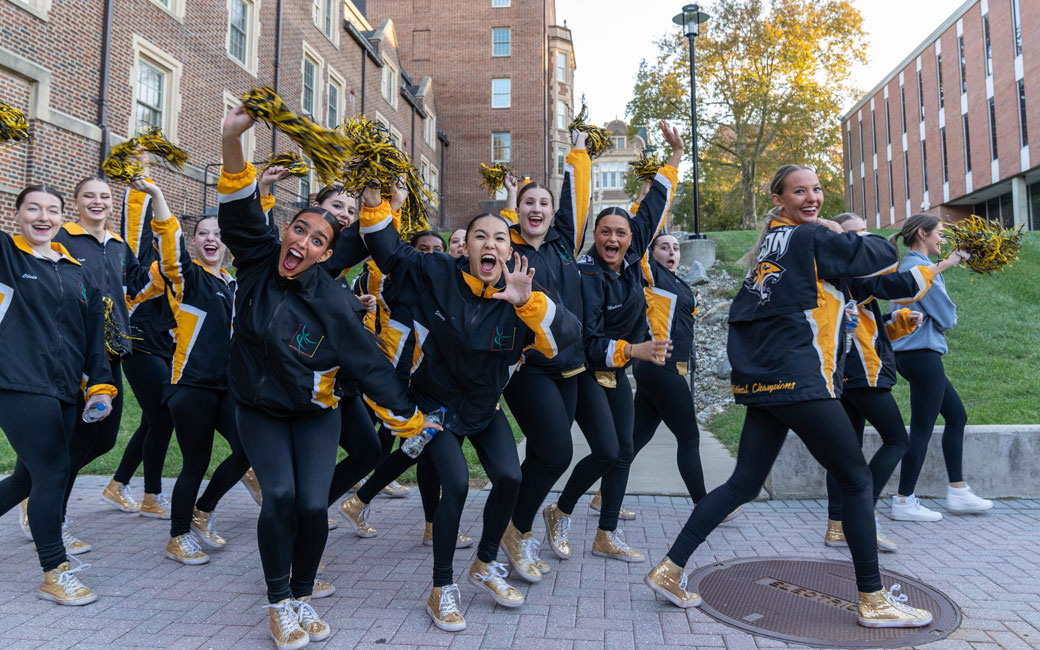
[(364, 77), (548, 94), (413, 135), (440, 178), (106, 51), (277, 66)]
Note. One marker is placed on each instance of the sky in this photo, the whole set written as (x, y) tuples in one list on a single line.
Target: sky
[(611, 39)]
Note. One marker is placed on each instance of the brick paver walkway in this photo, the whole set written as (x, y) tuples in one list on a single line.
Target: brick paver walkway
[(987, 564)]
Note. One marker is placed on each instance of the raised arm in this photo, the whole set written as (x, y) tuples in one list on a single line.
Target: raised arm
[(243, 224), (851, 254), (573, 212), (653, 208)]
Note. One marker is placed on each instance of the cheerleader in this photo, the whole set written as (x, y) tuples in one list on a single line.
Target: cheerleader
[(542, 395), (474, 318), (457, 243), (51, 330), (147, 371), (427, 241), (614, 328), (869, 371), (919, 360), (785, 348), (295, 336)]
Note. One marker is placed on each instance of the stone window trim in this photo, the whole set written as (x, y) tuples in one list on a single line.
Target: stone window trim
[(309, 52), (336, 79), (390, 88), (173, 7), (39, 8), (158, 58), (253, 30)]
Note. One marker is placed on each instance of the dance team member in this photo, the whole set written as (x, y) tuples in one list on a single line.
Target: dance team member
[(457, 243), (919, 360), (474, 319), (785, 346), (296, 334), (543, 394), (614, 322), (51, 328)]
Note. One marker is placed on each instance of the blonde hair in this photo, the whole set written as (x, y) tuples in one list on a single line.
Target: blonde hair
[(776, 186)]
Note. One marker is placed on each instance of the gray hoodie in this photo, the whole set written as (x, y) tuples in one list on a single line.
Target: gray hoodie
[(940, 314)]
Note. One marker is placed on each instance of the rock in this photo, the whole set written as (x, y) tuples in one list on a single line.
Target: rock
[(723, 369), (695, 275), (716, 314)]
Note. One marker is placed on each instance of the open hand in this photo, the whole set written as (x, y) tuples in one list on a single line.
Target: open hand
[(518, 282), (674, 139)]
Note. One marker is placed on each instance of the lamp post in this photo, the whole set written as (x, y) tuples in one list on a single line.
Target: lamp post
[(690, 20)]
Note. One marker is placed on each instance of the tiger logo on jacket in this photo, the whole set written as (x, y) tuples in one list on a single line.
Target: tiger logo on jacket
[(768, 270)]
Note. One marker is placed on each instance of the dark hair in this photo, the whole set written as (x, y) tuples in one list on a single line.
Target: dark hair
[(195, 226), (42, 187), (846, 216), (330, 190), (621, 212), (79, 185), (657, 238), (326, 215), (534, 185), (912, 226), (414, 241), (469, 226)]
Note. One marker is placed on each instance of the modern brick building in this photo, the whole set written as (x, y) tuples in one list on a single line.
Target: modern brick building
[(955, 128), (504, 71), (92, 73)]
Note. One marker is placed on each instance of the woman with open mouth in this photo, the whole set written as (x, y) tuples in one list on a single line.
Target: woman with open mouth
[(296, 336), (543, 393), (474, 319), (51, 330), (614, 321)]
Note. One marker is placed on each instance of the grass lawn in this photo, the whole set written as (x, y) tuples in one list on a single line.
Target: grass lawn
[(993, 357)]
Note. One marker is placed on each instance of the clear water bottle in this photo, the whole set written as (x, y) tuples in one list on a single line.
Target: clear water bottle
[(851, 323), (413, 446), (94, 414)]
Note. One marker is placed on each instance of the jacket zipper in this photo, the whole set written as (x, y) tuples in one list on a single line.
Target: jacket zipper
[(267, 356)]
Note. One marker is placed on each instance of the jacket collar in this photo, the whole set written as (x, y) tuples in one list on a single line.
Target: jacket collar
[(517, 236), (475, 284), (23, 246), (604, 267), (74, 228), (780, 221), (224, 275)]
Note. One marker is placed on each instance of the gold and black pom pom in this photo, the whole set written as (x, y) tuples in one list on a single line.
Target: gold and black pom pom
[(992, 246), (154, 142), (124, 162), (13, 125), (291, 160), (117, 342), (645, 166), (413, 213), (493, 176), (373, 160), (324, 147), (598, 139)]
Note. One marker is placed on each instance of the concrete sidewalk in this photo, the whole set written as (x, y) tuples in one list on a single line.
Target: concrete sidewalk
[(987, 564)]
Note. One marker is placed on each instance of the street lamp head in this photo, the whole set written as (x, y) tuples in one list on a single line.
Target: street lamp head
[(690, 18)]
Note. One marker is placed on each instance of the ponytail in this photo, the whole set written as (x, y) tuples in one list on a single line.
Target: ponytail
[(912, 228), (750, 258)]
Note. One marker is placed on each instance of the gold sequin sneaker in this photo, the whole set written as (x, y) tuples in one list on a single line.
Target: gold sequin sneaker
[(252, 486), (285, 626), (883, 543), (186, 550), (491, 577), (156, 506), (535, 547), (23, 518), (612, 544), (316, 629), (356, 513), (733, 515), (333, 524), (597, 503), (62, 586), (73, 546), (885, 609), (518, 554), (443, 607), (323, 589), (395, 490), (462, 541), (202, 525), (835, 534), (121, 496), (557, 527), (669, 580)]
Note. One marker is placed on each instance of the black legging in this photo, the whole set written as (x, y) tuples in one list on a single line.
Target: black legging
[(429, 487), (543, 406), (358, 438), (91, 441), (38, 428), (931, 393), (663, 394), (147, 374), (496, 450), (879, 407), (293, 460), (827, 433), (197, 412), (605, 417)]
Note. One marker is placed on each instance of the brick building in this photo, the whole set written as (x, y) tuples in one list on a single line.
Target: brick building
[(506, 73), (180, 64), (955, 128)]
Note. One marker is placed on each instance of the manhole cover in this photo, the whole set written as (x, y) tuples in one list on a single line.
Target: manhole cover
[(812, 602)]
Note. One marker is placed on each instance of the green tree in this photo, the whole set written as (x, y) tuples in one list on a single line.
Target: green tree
[(772, 76)]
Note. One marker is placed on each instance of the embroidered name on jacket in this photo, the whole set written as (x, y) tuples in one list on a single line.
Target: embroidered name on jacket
[(306, 341), (768, 269)]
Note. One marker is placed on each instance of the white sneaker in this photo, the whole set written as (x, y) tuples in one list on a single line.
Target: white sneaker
[(910, 509), (964, 500)]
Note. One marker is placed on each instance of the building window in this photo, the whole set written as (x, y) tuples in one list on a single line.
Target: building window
[(862, 153), (891, 189), (435, 185), (888, 124), (561, 66), (1023, 131), (335, 99), (310, 82), (924, 165), (942, 152), (877, 201), (561, 161), (499, 3), (390, 84), (619, 141), (500, 41), (151, 84), (173, 7), (906, 174), (992, 130), (902, 106), (873, 131), (967, 144), (989, 53), (501, 147), (396, 137), (920, 93), (238, 30), (960, 52), (249, 137), (424, 173), (323, 14), (155, 80), (501, 93), (561, 115), (1016, 15), (430, 131), (306, 182), (938, 67), (38, 8)]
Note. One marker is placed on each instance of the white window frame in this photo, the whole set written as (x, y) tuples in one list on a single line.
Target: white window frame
[(508, 94), (430, 131), (173, 69), (322, 10), (562, 59), (396, 135), (173, 7), (510, 146), (561, 161), (496, 4), (382, 120), (509, 41), (435, 186), (341, 87), (392, 88), (249, 137), (624, 141), (319, 80), (424, 171), (561, 115), (39, 8), (252, 37)]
